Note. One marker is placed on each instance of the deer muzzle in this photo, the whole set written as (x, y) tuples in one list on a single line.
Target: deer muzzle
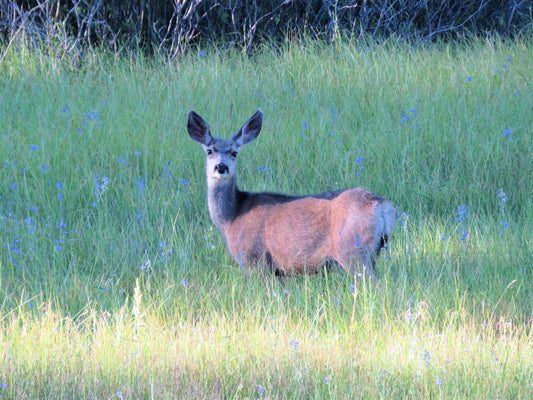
[(222, 168)]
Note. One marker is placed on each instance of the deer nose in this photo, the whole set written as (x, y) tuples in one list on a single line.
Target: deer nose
[(222, 168)]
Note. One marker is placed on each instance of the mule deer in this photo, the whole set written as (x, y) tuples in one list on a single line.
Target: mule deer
[(289, 234)]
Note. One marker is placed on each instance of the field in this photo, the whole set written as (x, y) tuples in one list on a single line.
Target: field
[(115, 284)]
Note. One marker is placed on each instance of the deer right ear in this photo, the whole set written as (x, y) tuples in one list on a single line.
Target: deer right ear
[(198, 129), (250, 130)]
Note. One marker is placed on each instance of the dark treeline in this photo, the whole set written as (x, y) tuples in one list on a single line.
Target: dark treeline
[(170, 27)]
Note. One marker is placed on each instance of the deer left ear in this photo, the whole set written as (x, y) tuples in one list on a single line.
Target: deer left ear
[(250, 130), (198, 129)]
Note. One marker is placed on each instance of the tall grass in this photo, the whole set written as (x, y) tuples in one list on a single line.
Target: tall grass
[(115, 284)]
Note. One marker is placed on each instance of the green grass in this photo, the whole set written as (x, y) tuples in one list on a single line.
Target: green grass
[(115, 284)]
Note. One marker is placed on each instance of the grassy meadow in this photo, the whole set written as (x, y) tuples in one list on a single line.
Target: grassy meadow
[(114, 284)]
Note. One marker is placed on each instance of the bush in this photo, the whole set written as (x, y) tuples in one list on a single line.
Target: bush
[(68, 29)]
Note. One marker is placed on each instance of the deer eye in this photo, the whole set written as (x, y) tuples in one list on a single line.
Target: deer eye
[(209, 151), (234, 154)]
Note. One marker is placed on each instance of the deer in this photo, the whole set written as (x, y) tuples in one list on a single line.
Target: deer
[(289, 234)]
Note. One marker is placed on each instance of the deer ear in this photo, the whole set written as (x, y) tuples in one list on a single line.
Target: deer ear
[(250, 130), (198, 129)]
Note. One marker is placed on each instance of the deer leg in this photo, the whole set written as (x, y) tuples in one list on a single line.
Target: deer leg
[(352, 265)]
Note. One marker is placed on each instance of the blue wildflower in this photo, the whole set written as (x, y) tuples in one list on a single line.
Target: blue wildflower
[(461, 216), (140, 185), (332, 122), (264, 169), (122, 160), (508, 134), (427, 358), (410, 115), (462, 213), (502, 199), (240, 258), (146, 265), (101, 185), (359, 162), (294, 344)]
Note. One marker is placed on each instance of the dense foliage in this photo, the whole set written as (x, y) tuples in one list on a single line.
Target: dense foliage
[(68, 28)]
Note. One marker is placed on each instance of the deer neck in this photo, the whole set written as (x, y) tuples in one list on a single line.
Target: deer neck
[(222, 201)]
